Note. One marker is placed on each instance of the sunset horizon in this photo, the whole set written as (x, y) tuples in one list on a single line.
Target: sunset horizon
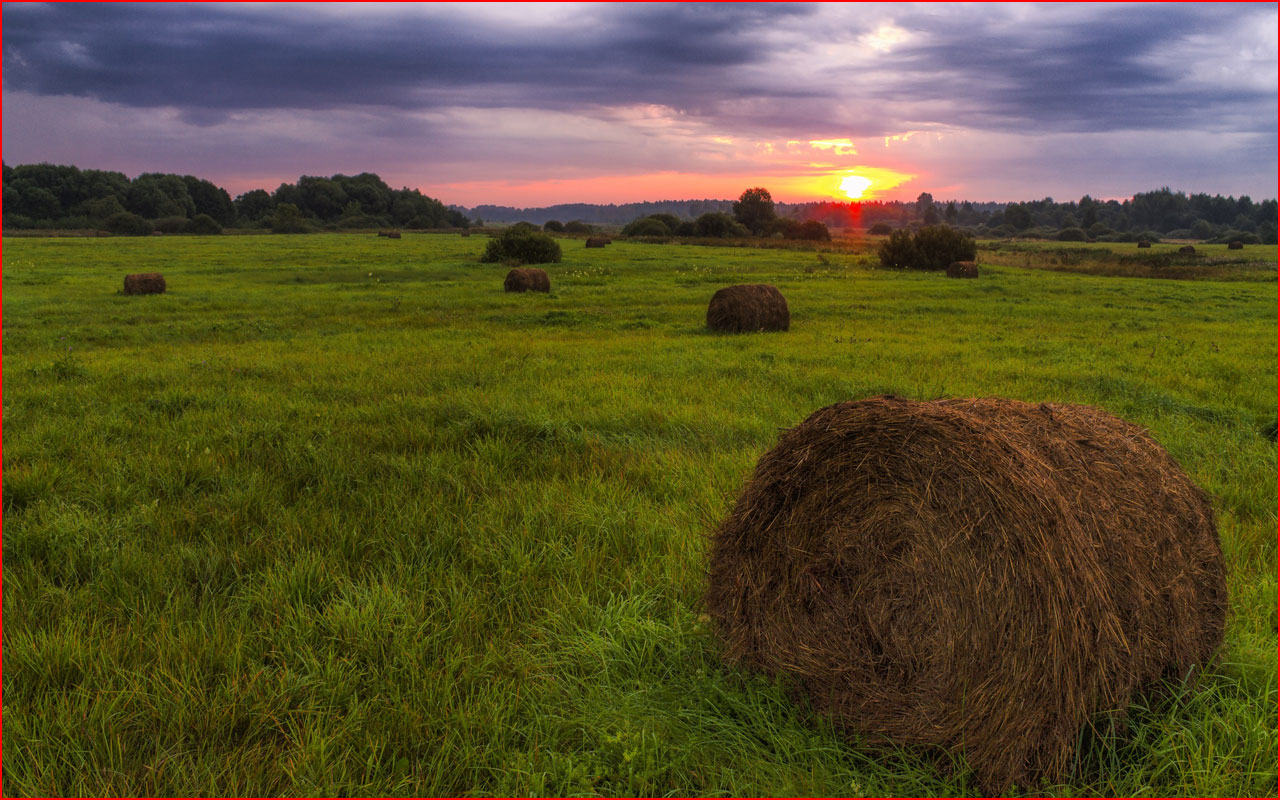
[(563, 103)]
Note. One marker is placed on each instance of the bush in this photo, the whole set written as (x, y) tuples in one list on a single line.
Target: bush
[(646, 226), (1072, 235), (577, 227), (717, 225), (1236, 236), (881, 229), (205, 225), (288, 219), (528, 227), (521, 245), (933, 247), (172, 225), (685, 228), (553, 226), (813, 230), (126, 224)]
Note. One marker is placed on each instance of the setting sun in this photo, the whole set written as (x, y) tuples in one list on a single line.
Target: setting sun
[(854, 186)]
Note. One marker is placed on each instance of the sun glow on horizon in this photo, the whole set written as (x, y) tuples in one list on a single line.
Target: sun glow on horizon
[(854, 186)]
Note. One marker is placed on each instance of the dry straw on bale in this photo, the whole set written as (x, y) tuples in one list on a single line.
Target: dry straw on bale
[(983, 577), (527, 279), (747, 308), (144, 283), (1187, 250), (598, 241), (1235, 246), (962, 269)]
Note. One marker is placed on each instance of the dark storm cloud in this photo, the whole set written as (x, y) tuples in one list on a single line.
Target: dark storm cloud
[(216, 58), (1118, 68), (1089, 71)]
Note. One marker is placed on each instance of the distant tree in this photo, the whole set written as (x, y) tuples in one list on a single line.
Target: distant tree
[(930, 216), (951, 213), (670, 220), (881, 229), (554, 226), (288, 219), (1072, 235), (754, 210), (205, 225), (812, 230), (1017, 216), (156, 195), (576, 226), (254, 206), (1088, 211)]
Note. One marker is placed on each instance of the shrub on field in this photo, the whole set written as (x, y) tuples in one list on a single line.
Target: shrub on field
[(1072, 235), (553, 226), (524, 226), (1149, 236), (522, 246), (881, 229), (1236, 236), (717, 225), (205, 225), (813, 231), (670, 220), (172, 225), (126, 224), (901, 563), (931, 248), (685, 228), (577, 227), (646, 226)]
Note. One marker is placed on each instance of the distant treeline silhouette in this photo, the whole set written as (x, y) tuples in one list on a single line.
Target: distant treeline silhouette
[(66, 197), (1163, 211), (53, 196)]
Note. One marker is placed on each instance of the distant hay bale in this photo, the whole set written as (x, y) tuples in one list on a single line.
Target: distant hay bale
[(1235, 246), (393, 234), (984, 577), (598, 241), (748, 308), (527, 279), (465, 234), (144, 283), (1091, 240), (962, 269), (1144, 243), (1187, 250)]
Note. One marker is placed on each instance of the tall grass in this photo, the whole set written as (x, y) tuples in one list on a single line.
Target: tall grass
[(336, 515)]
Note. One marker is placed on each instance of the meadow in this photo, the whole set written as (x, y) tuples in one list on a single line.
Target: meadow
[(337, 516)]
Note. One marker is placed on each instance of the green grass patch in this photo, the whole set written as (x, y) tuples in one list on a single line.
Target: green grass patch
[(336, 515)]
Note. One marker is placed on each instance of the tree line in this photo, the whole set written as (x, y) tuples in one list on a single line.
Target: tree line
[(66, 197)]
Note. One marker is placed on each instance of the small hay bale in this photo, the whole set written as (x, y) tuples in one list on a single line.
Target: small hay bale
[(393, 234), (1144, 243), (962, 269), (1235, 246), (748, 308), (527, 279), (984, 577), (1187, 250), (598, 241), (144, 283)]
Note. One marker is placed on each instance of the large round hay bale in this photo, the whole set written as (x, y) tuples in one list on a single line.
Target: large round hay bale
[(1144, 243), (144, 283), (598, 241), (962, 269), (748, 308), (527, 279), (1235, 246), (1187, 250), (977, 576)]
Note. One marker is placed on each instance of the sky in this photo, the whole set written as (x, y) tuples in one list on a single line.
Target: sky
[(537, 104)]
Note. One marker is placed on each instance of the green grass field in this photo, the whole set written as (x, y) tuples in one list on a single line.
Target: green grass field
[(335, 515)]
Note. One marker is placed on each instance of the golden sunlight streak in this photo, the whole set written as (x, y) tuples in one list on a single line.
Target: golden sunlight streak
[(867, 183)]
